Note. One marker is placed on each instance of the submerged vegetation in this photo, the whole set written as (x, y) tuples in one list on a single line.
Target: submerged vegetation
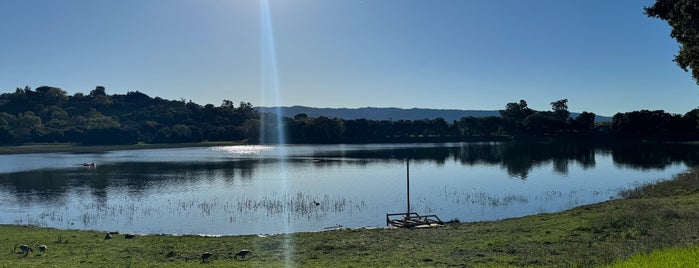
[(660, 218)]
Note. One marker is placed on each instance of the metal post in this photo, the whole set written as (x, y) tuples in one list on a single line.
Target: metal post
[(407, 165)]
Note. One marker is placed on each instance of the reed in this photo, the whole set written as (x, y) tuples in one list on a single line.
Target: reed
[(95, 215)]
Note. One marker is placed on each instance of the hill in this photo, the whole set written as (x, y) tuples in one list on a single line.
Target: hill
[(372, 113)]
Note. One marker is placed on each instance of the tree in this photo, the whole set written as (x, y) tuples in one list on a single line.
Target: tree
[(180, 133), (27, 124), (300, 117), (96, 120), (227, 104), (584, 122), (541, 123), (683, 17), (560, 108), (514, 115), (5, 127), (98, 91)]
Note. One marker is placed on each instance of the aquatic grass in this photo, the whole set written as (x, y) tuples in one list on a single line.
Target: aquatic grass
[(581, 237), (473, 197), (297, 205), (587, 236)]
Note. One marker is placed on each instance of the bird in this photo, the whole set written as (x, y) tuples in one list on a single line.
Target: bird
[(129, 236), (25, 249), (205, 256), (42, 249), (108, 236), (242, 254), (315, 203)]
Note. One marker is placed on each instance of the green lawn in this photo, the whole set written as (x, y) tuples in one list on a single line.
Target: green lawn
[(660, 217), (673, 257)]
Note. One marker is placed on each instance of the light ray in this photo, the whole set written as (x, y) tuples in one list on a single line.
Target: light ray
[(270, 86)]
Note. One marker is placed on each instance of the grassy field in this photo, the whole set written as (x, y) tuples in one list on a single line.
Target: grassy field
[(651, 223), (673, 257)]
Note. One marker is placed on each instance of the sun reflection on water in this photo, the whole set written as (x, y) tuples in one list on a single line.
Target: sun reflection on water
[(247, 150)]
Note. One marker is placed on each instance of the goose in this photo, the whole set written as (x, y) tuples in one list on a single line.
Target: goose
[(25, 249), (42, 249), (205, 256), (242, 254)]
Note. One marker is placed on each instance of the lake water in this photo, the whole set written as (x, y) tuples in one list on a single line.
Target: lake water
[(296, 188)]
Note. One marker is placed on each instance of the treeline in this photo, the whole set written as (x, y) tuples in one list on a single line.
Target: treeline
[(49, 114), (515, 121)]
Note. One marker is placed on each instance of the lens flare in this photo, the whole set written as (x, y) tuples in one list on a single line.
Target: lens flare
[(269, 83)]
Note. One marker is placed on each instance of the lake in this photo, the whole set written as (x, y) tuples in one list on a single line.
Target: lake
[(268, 189)]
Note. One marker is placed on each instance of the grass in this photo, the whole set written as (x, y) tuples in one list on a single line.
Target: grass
[(653, 222), (672, 257)]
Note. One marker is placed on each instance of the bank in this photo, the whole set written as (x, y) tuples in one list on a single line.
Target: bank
[(76, 148)]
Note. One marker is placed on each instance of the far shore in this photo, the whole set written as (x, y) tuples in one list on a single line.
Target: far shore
[(79, 149), (31, 148)]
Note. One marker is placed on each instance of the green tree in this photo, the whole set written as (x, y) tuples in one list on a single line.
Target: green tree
[(323, 129), (96, 120), (27, 125), (180, 133), (5, 127), (683, 17)]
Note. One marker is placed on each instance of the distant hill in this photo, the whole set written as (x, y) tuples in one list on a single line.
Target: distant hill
[(372, 113)]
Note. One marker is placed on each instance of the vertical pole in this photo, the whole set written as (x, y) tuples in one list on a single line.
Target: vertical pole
[(407, 165)]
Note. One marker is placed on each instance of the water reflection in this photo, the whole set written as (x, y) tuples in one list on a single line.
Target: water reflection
[(518, 159), (233, 190), (654, 156)]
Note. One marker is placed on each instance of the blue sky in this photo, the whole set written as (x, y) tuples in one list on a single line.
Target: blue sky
[(603, 56)]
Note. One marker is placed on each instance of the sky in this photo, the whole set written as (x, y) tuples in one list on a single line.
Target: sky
[(603, 56)]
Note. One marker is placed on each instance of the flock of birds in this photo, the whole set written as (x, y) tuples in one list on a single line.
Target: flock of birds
[(242, 254), (25, 249), (204, 256)]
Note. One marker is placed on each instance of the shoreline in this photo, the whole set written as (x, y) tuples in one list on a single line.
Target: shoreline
[(32, 148), (591, 235), (81, 149), (651, 217)]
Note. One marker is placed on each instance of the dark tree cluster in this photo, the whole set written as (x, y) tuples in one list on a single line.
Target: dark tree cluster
[(520, 120), (657, 125), (516, 120), (48, 114)]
